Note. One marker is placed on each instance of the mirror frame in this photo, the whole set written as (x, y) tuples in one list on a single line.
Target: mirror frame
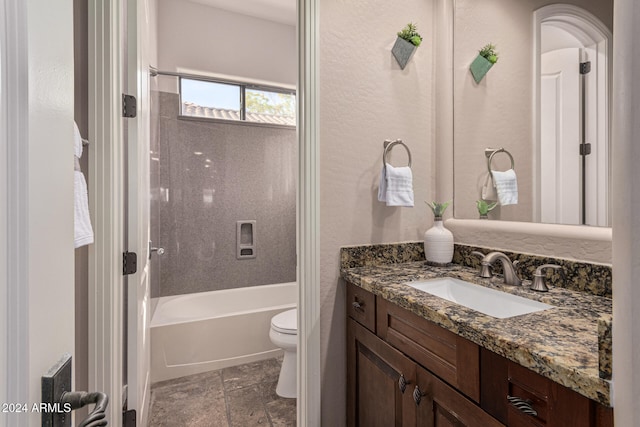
[(585, 243)]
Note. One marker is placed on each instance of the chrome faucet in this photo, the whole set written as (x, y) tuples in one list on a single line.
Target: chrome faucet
[(508, 267)]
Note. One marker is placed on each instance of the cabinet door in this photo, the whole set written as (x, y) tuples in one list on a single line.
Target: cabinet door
[(439, 405), (375, 397)]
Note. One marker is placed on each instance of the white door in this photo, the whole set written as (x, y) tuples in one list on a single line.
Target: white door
[(36, 200), (560, 100), (138, 304)]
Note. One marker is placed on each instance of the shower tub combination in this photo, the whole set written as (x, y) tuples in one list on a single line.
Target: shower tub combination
[(199, 332)]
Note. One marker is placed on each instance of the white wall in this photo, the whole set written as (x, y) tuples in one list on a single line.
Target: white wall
[(152, 37), (191, 36), (364, 99)]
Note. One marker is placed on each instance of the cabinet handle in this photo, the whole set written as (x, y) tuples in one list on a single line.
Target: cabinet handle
[(402, 383), (523, 405), (358, 305), (417, 395)]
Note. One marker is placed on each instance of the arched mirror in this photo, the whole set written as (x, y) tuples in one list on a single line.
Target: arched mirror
[(553, 121), (573, 93)]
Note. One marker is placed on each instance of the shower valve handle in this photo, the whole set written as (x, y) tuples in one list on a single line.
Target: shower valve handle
[(160, 251)]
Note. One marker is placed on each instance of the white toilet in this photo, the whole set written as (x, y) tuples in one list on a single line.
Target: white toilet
[(284, 334)]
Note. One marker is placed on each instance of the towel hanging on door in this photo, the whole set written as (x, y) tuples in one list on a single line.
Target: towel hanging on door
[(83, 232)]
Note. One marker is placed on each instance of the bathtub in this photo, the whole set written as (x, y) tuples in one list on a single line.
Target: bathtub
[(199, 332)]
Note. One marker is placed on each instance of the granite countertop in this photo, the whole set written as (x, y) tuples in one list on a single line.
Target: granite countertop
[(559, 343)]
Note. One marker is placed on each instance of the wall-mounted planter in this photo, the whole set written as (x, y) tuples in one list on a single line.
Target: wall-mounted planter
[(403, 51), (479, 67)]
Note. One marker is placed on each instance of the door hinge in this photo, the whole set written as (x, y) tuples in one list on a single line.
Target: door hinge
[(585, 67), (128, 105), (129, 263), (585, 149), (129, 418)]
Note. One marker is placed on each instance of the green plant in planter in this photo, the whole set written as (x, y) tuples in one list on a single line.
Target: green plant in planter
[(489, 52), (438, 208), (410, 34), (484, 208), (487, 56)]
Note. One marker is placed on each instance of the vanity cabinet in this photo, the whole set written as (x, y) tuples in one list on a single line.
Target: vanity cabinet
[(388, 383), (403, 370), (386, 388)]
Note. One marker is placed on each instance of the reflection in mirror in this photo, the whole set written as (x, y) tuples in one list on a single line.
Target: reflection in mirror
[(544, 115)]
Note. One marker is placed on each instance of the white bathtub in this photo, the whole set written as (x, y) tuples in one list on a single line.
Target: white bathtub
[(200, 332)]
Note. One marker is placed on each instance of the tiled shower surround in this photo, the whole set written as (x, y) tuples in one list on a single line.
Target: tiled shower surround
[(205, 176)]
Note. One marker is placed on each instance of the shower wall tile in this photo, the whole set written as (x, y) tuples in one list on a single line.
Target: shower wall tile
[(213, 174), (154, 204)]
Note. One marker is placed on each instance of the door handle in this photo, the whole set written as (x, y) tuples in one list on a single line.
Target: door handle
[(80, 399)]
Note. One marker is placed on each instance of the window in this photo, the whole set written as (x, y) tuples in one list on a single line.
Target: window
[(237, 101)]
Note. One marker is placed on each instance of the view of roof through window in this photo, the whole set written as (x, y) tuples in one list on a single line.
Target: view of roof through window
[(236, 101)]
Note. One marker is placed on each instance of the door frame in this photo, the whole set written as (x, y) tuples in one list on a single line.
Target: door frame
[(106, 183), (14, 231), (308, 214)]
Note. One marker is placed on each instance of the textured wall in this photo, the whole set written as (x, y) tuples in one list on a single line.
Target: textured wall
[(498, 111), (364, 99), (250, 175)]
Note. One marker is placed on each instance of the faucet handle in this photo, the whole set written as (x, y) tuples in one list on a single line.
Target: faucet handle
[(539, 276), (478, 254), (485, 267)]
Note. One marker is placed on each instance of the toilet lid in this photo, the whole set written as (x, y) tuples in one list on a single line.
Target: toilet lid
[(286, 322)]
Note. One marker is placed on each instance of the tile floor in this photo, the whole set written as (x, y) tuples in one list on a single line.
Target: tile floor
[(240, 396)]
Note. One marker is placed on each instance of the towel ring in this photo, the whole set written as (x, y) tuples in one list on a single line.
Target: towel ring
[(388, 145), (490, 152)]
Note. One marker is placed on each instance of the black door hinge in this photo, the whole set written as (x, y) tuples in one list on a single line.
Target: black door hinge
[(128, 105), (129, 263), (129, 418), (585, 149), (585, 67)]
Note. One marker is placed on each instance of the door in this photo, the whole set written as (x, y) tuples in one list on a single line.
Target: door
[(376, 372), (36, 201), (137, 215), (439, 405), (560, 100)]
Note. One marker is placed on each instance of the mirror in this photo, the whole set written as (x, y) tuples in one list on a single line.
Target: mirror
[(536, 110)]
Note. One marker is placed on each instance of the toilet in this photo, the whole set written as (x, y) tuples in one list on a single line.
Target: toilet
[(284, 334)]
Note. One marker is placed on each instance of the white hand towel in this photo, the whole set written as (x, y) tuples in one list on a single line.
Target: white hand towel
[(489, 189), (83, 232), (506, 187), (396, 186)]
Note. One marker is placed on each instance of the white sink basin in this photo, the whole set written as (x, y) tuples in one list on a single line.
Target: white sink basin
[(485, 300)]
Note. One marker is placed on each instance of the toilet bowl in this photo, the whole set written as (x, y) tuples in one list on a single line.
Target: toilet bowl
[(284, 334)]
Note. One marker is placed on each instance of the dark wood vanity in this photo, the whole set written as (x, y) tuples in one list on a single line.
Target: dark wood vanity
[(404, 370)]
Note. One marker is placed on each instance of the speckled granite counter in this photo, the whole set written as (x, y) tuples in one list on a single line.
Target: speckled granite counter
[(559, 343)]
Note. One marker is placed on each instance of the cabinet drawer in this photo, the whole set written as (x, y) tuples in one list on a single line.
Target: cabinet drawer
[(361, 306), (454, 359), (554, 404)]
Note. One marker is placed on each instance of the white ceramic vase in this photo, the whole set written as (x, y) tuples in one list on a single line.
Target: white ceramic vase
[(438, 243)]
